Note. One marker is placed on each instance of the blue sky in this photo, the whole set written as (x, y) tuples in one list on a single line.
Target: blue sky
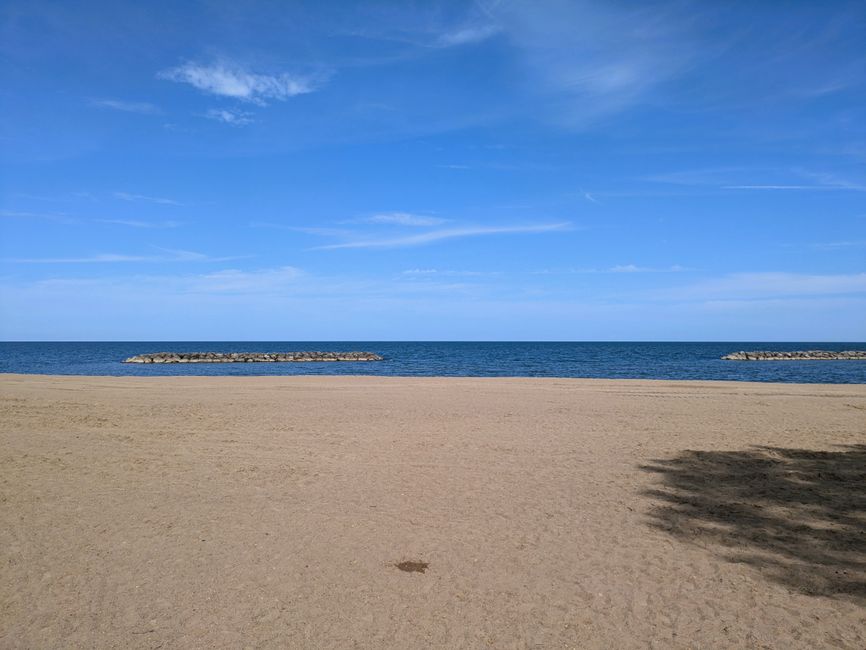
[(510, 170)]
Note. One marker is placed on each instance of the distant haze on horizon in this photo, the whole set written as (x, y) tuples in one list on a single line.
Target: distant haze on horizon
[(489, 170)]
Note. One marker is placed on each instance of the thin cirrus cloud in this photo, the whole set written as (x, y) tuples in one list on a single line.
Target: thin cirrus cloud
[(618, 268), (229, 116), (596, 59), (58, 217), (126, 196), (776, 187), (65, 219), (143, 108), (814, 188), (165, 255), (634, 268), (778, 180), (227, 79), (467, 35), (401, 219), (444, 234), (426, 273), (839, 245), (307, 230), (231, 281), (135, 223), (754, 286)]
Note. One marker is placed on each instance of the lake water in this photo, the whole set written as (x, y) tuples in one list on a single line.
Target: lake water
[(458, 359)]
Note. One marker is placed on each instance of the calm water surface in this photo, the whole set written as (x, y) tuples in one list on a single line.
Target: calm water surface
[(604, 360)]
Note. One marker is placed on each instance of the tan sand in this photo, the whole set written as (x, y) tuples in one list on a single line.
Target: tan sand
[(271, 512)]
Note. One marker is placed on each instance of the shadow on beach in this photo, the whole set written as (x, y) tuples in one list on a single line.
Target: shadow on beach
[(798, 516)]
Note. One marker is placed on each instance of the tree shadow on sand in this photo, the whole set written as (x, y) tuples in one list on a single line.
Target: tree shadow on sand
[(798, 516)]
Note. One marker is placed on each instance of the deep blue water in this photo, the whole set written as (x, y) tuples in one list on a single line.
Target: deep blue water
[(607, 360)]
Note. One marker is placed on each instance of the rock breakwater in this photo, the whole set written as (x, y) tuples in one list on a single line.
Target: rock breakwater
[(798, 355), (250, 357)]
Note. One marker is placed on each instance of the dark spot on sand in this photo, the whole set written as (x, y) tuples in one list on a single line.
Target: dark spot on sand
[(412, 566)]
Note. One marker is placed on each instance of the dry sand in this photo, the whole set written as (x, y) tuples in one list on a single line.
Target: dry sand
[(272, 513)]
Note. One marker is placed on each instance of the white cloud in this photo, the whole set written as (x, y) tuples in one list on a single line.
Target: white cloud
[(450, 233), (144, 108), (231, 80), (401, 219), (126, 196), (229, 116)]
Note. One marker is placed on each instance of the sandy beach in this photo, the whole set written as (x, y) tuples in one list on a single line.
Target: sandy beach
[(273, 512)]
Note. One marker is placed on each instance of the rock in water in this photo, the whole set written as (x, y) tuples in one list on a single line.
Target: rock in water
[(798, 355)]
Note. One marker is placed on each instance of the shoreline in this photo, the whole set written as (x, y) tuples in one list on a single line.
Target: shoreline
[(402, 378)]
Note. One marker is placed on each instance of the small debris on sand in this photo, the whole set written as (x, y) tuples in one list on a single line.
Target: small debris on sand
[(412, 566)]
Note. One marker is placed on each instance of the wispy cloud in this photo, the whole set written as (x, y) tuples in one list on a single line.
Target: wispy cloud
[(284, 282), (740, 178), (619, 268), (814, 188), (126, 196), (467, 35), (751, 286), (835, 181), (589, 197), (596, 59), (134, 223), (838, 245), (776, 187), (229, 79), (229, 116), (400, 219), (450, 233), (426, 273), (245, 282), (59, 217), (716, 177), (634, 268), (144, 108), (426, 31), (166, 255), (307, 230)]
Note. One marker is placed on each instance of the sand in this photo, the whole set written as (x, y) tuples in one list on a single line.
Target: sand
[(320, 512)]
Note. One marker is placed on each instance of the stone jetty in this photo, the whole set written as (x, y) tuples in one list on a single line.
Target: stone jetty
[(250, 357), (799, 355)]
